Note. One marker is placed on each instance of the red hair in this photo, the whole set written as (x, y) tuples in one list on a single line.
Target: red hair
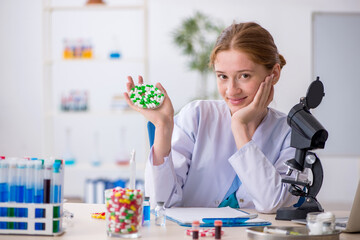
[(252, 39)]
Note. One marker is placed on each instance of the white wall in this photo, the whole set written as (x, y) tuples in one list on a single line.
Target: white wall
[(288, 21), (20, 78)]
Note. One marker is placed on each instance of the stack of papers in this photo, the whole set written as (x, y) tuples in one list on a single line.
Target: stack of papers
[(206, 216)]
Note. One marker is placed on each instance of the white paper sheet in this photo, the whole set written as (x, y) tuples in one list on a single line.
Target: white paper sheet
[(188, 215)]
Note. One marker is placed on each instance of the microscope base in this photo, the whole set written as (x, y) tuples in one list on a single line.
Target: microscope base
[(291, 213)]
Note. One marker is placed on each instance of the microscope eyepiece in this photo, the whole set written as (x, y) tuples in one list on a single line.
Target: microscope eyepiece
[(308, 133)]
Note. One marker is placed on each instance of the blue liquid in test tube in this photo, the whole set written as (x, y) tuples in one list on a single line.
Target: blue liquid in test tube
[(38, 182), (39, 191), (4, 190), (20, 192), (62, 170), (12, 180), (56, 181), (30, 173)]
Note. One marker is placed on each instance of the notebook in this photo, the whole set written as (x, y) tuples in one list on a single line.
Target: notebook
[(206, 216), (349, 224)]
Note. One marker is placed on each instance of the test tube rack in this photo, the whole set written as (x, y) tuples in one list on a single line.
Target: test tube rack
[(52, 220)]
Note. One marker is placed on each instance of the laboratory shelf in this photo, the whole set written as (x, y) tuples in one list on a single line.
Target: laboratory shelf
[(120, 25), (98, 7), (114, 113), (93, 61)]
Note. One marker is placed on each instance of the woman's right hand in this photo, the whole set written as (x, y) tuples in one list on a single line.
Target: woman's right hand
[(161, 116)]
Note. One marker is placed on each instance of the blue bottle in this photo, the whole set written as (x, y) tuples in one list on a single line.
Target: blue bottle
[(146, 211)]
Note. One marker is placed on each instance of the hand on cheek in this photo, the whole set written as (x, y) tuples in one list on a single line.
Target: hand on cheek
[(245, 121), (265, 93), (262, 99)]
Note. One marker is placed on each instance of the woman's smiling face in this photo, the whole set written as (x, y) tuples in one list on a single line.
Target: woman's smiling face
[(238, 78)]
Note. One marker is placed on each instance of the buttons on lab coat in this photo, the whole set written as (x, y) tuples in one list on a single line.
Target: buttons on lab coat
[(241, 200)]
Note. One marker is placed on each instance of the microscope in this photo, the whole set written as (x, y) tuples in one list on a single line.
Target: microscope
[(307, 134)]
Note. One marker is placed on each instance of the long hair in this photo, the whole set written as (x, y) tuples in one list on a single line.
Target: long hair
[(252, 39)]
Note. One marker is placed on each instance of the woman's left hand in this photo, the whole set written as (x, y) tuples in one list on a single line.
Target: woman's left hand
[(245, 121)]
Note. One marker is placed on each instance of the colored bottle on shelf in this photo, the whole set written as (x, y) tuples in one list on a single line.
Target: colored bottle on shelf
[(87, 49), (115, 52), (67, 53)]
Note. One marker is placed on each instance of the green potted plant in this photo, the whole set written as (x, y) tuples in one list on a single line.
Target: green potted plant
[(196, 37)]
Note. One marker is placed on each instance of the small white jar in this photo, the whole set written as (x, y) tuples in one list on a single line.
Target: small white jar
[(319, 223)]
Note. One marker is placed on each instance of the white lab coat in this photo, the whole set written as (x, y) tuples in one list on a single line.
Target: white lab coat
[(204, 160)]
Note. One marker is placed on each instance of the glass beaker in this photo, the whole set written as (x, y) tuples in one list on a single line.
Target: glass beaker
[(123, 212)]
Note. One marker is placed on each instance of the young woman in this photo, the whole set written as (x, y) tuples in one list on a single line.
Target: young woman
[(228, 152)]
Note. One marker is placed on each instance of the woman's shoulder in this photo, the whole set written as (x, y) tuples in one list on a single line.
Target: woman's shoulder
[(278, 119), (277, 114)]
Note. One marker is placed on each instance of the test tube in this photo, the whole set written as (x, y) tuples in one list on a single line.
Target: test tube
[(47, 182), (62, 170), (218, 225), (30, 185), (4, 190), (12, 180), (39, 191), (195, 229), (56, 181), (20, 192), (38, 182), (56, 193)]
